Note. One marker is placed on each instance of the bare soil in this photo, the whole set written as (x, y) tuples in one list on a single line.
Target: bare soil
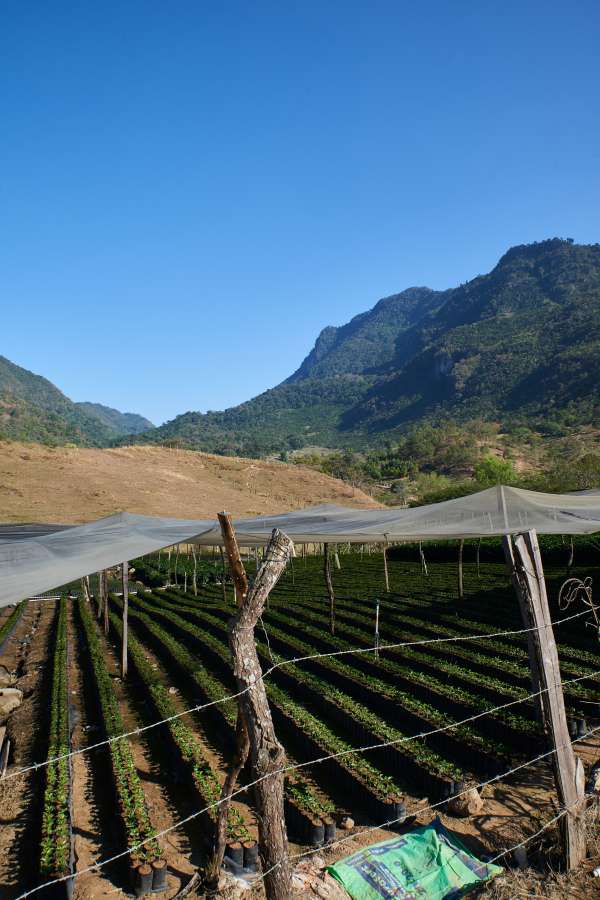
[(26, 656), (71, 485)]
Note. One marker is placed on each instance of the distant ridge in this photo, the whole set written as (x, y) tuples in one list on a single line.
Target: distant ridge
[(33, 409), (121, 423), (520, 344)]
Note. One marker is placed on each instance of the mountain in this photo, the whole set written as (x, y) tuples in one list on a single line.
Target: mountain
[(520, 344), (121, 423), (368, 342), (33, 409)]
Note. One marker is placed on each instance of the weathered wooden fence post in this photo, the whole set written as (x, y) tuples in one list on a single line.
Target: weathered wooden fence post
[(125, 583), (254, 731), (329, 585), (525, 563)]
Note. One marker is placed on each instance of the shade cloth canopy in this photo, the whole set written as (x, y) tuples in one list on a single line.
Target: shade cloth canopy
[(33, 561)]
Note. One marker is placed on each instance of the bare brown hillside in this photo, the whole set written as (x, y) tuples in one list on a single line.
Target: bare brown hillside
[(64, 484)]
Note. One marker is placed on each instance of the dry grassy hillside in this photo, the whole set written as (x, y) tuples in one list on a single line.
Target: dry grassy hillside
[(62, 484)]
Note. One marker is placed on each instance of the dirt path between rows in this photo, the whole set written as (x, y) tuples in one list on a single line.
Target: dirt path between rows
[(27, 655), (162, 809)]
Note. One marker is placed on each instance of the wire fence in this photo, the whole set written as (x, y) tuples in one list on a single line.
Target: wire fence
[(388, 823), (282, 663)]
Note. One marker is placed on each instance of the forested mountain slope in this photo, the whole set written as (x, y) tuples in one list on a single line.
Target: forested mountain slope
[(119, 422), (520, 343), (33, 409)]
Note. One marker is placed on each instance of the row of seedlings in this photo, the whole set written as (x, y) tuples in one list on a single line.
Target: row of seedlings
[(500, 675), (309, 815), (508, 656), (148, 865), (430, 687), (56, 844), (10, 623), (188, 752), (329, 692), (347, 773)]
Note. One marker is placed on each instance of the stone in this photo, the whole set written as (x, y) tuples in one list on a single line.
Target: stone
[(347, 823), (6, 678), (593, 782), (310, 880), (468, 804), (232, 888), (10, 698)]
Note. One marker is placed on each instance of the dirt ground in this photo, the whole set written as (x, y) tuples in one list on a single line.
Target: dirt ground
[(26, 656), (512, 811), (67, 485)]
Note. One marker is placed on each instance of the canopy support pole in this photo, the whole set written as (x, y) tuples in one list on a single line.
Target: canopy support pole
[(125, 583), (266, 753), (385, 569), (329, 586), (525, 564), (461, 587), (99, 596), (105, 597)]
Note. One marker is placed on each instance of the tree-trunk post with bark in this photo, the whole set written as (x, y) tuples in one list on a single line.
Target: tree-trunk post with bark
[(255, 733), (329, 586), (125, 585), (525, 564)]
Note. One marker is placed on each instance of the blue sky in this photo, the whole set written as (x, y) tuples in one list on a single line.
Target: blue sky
[(190, 191)]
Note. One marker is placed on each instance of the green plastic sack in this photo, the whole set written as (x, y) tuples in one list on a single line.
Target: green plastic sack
[(428, 863)]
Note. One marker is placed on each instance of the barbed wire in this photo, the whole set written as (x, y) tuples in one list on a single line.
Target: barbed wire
[(101, 863), (294, 661)]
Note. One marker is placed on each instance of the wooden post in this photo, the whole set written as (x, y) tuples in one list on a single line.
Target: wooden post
[(242, 740), (105, 592), (240, 579), (461, 591), (329, 585), (85, 589), (223, 576), (525, 563), (266, 753), (571, 557), (99, 596), (423, 560), (336, 557), (385, 569), (125, 583), (195, 575)]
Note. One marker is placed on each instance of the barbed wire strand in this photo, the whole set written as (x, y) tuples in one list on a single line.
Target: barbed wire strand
[(156, 836), (289, 662), (421, 809)]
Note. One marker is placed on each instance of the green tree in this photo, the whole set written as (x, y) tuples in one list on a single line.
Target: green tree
[(494, 470)]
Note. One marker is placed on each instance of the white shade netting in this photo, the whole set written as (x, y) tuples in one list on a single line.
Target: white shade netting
[(38, 558)]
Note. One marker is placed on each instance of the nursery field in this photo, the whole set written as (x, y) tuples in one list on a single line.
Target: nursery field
[(66, 815)]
